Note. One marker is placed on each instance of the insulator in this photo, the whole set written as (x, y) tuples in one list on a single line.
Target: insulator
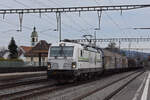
[(4, 16), (99, 13), (79, 13), (20, 20)]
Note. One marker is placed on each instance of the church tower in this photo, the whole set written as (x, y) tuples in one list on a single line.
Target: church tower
[(34, 37)]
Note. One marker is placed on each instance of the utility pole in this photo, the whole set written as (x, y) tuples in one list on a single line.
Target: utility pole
[(59, 27), (119, 44), (129, 49), (58, 18), (95, 38)]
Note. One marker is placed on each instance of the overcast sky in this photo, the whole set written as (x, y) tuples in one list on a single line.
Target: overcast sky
[(73, 26)]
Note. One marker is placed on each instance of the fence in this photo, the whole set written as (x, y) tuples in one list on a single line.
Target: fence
[(17, 66), (21, 64), (35, 64)]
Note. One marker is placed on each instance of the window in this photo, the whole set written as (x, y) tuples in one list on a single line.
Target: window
[(81, 53), (32, 39), (61, 51)]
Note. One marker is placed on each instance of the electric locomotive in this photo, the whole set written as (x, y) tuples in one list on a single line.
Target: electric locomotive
[(70, 61)]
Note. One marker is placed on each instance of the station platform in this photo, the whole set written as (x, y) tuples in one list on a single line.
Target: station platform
[(138, 89), (21, 74)]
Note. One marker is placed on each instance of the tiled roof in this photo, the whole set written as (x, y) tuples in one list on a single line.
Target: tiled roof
[(26, 48), (41, 47)]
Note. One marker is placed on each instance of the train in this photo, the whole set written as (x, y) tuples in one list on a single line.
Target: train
[(72, 61)]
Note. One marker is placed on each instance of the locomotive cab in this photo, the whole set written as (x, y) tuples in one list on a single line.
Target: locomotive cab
[(61, 57), (62, 61)]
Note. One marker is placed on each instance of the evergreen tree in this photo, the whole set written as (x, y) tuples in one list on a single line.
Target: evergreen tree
[(13, 49)]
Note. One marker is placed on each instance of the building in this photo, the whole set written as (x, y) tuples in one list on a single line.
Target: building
[(34, 37), (22, 50), (38, 55)]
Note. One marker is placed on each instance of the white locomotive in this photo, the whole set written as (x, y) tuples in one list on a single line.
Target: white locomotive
[(69, 61)]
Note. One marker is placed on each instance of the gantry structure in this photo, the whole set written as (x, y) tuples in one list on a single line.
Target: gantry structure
[(115, 40), (73, 9), (58, 11)]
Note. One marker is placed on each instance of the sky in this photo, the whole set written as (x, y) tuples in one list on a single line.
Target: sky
[(113, 24)]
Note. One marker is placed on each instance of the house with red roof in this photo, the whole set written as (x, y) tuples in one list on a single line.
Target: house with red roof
[(37, 53), (22, 50)]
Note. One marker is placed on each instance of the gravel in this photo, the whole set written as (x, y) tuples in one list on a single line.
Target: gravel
[(73, 92)]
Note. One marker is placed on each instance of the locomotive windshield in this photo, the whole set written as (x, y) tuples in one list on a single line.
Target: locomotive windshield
[(61, 51)]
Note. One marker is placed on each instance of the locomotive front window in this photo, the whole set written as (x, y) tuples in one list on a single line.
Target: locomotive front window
[(61, 51)]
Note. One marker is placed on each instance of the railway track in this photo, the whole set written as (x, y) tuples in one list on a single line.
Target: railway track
[(110, 95), (21, 93), (26, 81), (25, 94), (83, 91), (24, 86), (52, 88), (19, 76)]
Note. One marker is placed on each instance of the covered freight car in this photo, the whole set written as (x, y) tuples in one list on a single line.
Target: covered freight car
[(114, 62)]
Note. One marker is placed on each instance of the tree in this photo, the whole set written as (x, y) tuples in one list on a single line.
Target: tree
[(112, 45), (13, 49)]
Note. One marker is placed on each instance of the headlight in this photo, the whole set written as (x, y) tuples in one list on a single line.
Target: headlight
[(73, 64), (48, 65)]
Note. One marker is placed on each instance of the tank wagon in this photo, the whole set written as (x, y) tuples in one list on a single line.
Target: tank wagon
[(71, 61)]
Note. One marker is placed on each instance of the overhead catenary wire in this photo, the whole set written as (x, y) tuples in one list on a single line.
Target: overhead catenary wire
[(69, 17), (15, 24), (58, 20), (20, 3), (99, 17), (20, 19), (50, 22), (34, 16), (116, 24), (75, 29), (30, 7), (26, 6)]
